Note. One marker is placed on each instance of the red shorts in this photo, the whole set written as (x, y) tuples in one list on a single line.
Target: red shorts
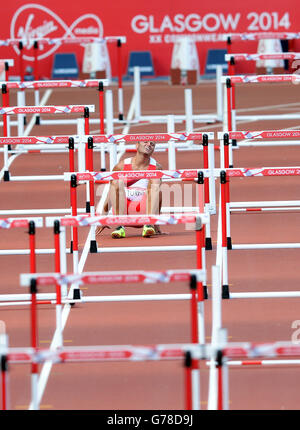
[(137, 207)]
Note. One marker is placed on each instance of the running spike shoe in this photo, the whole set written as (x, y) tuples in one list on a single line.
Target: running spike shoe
[(148, 231), (118, 233)]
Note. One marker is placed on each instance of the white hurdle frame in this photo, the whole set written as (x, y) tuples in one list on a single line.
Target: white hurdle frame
[(189, 117), (65, 109), (229, 83), (225, 176), (249, 137)]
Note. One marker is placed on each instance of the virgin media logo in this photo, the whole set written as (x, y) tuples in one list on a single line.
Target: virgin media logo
[(33, 21)]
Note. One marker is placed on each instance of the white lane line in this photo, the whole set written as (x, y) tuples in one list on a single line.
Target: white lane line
[(27, 130)]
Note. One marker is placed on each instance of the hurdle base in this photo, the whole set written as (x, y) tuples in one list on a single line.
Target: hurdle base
[(71, 247), (93, 247), (225, 292), (229, 243), (205, 293), (103, 169), (234, 142), (121, 117), (87, 207), (76, 295), (6, 176), (208, 244), (37, 120)]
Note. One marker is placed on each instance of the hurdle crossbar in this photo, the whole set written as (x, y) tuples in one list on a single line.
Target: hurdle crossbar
[(229, 83), (65, 109)]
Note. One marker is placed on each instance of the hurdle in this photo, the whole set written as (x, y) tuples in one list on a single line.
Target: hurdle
[(65, 109), (255, 139), (36, 43), (255, 36), (58, 251), (105, 177), (193, 277), (7, 86), (231, 118), (189, 117), (225, 175), (77, 221), (186, 353), (129, 353), (232, 59)]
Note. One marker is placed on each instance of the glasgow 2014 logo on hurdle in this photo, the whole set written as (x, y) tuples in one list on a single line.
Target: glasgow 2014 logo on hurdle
[(34, 21)]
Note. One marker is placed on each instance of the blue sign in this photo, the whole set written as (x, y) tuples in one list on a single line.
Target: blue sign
[(142, 59), (65, 67)]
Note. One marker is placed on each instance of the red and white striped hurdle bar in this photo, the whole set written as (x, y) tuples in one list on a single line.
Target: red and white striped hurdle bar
[(65, 109), (107, 138), (227, 137), (253, 79), (105, 353), (181, 174), (127, 220), (106, 277), (155, 137), (86, 83), (266, 56), (31, 224), (262, 134)]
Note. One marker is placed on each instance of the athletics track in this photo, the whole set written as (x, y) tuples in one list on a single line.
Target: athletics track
[(160, 385)]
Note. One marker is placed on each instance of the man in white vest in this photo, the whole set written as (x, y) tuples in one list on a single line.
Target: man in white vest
[(135, 196)]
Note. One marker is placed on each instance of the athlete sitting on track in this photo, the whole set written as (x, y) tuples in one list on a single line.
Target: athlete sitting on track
[(140, 196)]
